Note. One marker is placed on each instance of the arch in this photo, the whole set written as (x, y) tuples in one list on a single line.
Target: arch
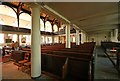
[(42, 25), (48, 26), (25, 20), (55, 28), (7, 15)]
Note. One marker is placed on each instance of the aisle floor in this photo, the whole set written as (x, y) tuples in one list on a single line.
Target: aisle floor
[(104, 69)]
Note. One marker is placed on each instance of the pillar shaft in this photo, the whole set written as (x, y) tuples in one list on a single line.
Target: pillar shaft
[(116, 35), (82, 38), (111, 36), (77, 37), (68, 36), (36, 42)]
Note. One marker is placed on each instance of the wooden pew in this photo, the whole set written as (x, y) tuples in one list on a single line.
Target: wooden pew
[(77, 50), (17, 56), (53, 64), (73, 54), (78, 69)]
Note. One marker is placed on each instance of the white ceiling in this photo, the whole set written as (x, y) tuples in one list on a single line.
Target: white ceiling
[(92, 17)]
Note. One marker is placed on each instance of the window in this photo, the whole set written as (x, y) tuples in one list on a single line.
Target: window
[(7, 16), (55, 28), (1, 38), (41, 25), (48, 26), (25, 21), (14, 37)]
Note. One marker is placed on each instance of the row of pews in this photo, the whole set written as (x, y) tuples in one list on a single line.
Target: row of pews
[(68, 64), (112, 51)]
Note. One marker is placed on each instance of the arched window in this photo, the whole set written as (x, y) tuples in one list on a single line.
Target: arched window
[(48, 26), (41, 25), (7, 16), (55, 28), (25, 21)]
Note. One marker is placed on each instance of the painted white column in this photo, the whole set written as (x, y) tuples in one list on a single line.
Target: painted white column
[(68, 36), (82, 38), (36, 42), (77, 37), (111, 36), (85, 37), (116, 35)]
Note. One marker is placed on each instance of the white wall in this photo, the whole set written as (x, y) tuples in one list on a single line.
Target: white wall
[(83, 37), (114, 35), (98, 38), (1, 39), (56, 39)]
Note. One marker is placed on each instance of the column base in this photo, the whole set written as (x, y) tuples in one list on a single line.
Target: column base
[(36, 77)]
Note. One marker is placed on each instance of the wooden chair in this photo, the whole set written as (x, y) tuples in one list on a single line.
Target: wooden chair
[(27, 67), (26, 59)]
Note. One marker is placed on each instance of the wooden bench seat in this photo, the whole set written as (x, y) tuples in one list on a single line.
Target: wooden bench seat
[(77, 50), (53, 63), (78, 69), (73, 54)]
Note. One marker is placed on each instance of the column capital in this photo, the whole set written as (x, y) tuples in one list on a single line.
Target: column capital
[(77, 30), (68, 24), (33, 4)]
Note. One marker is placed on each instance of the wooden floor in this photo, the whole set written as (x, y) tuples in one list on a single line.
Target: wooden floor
[(10, 72)]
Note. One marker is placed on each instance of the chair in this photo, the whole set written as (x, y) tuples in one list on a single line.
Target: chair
[(26, 59), (27, 67)]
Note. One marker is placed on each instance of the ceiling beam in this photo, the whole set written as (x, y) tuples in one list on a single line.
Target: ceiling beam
[(98, 32), (99, 25), (95, 15), (100, 29)]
